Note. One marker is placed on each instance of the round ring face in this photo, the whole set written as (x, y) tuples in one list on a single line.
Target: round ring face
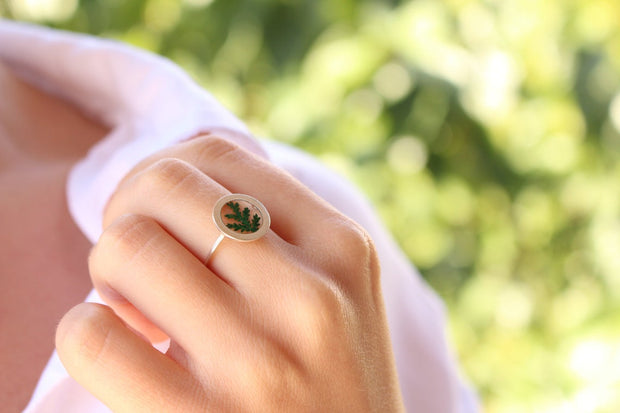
[(241, 217)]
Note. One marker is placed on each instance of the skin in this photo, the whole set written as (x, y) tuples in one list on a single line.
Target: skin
[(291, 322), (41, 246)]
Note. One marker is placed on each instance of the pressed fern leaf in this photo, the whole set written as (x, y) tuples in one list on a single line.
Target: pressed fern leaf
[(242, 217)]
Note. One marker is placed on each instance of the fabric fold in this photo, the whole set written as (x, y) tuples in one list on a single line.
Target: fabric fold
[(146, 101), (149, 103)]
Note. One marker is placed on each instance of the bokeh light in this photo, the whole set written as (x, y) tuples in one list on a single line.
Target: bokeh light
[(43, 10), (487, 134)]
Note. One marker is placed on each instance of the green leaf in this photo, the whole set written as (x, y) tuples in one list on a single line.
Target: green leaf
[(243, 223)]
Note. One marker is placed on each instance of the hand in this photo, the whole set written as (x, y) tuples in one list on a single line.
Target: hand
[(291, 322)]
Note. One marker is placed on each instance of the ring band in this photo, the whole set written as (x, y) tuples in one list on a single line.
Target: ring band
[(239, 217)]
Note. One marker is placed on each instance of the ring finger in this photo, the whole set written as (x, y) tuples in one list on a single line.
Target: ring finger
[(181, 198)]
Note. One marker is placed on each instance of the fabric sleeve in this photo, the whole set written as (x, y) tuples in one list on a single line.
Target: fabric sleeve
[(147, 102)]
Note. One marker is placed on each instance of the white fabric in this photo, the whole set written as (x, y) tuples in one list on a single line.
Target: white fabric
[(149, 103)]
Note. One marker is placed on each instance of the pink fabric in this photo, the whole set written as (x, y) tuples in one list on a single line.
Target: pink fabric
[(149, 103)]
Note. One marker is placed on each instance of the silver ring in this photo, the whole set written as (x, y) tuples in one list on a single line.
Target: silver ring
[(239, 217)]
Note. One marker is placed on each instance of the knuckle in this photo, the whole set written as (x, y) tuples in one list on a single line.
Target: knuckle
[(121, 242), (351, 245), (351, 259), (348, 234), (156, 180), (165, 175), (212, 148), (83, 335)]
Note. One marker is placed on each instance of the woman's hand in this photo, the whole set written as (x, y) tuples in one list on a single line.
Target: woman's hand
[(291, 322)]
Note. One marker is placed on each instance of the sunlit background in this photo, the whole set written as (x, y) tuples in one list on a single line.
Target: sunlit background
[(487, 134)]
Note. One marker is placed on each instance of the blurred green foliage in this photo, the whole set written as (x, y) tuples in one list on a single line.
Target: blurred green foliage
[(486, 132)]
